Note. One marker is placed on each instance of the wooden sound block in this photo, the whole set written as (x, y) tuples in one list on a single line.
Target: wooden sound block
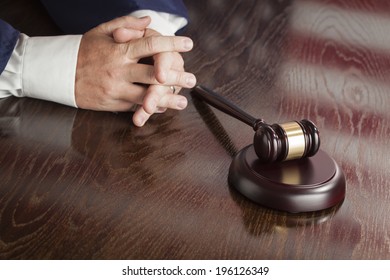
[(304, 185)]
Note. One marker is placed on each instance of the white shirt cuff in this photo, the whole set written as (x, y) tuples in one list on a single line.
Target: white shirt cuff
[(43, 68), (164, 23), (49, 68)]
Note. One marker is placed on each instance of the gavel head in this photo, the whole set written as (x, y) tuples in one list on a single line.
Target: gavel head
[(280, 142)]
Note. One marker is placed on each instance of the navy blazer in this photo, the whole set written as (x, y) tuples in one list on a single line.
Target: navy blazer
[(8, 38), (79, 16)]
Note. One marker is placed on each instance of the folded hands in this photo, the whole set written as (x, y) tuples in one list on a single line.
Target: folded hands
[(110, 75)]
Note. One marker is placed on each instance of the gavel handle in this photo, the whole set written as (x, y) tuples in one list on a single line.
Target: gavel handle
[(224, 105)]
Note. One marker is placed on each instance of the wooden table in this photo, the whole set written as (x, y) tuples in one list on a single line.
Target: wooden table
[(79, 184)]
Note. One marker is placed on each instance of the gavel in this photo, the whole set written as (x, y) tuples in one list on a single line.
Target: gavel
[(272, 143)]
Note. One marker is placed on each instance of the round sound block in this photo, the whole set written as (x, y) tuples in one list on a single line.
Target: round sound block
[(304, 185)]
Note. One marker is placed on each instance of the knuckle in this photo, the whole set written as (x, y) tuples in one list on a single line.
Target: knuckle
[(174, 43), (126, 48), (151, 102), (151, 44), (179, 78), (111, 74), (108, 90)]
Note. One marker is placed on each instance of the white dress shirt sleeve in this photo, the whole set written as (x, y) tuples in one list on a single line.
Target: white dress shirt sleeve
[(42, 68), (45, 67)]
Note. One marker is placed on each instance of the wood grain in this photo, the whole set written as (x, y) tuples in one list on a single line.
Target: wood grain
[(79, 184)]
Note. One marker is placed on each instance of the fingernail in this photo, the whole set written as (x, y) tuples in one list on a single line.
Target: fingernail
[(188, 44), (182, 103), (190, 81), (141, 121)]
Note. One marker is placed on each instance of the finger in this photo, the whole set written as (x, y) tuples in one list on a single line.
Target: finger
[(158, 97), (123, 35), (180, 79), (173, 101), (140, 117), (149, 46), (164, 61), (142, 73), (126, 22), (175, 90), (131, 93), (145, 74), (124, 91)]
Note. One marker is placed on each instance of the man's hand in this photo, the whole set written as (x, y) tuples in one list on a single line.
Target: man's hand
[(109, 77), (167, 66)]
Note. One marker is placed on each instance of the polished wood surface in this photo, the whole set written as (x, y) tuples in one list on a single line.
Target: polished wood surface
[(78, 184)]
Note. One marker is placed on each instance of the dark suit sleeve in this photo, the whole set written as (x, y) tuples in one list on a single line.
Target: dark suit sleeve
[(8, 38), (79, 16)]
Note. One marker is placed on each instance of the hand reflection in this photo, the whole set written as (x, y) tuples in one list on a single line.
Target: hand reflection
[(90, 142), (30, 122)]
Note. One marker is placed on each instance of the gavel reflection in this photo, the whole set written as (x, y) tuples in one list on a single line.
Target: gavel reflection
[(272, 143)]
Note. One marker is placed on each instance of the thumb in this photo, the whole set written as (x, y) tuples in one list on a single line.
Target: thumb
[(123, 35)]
